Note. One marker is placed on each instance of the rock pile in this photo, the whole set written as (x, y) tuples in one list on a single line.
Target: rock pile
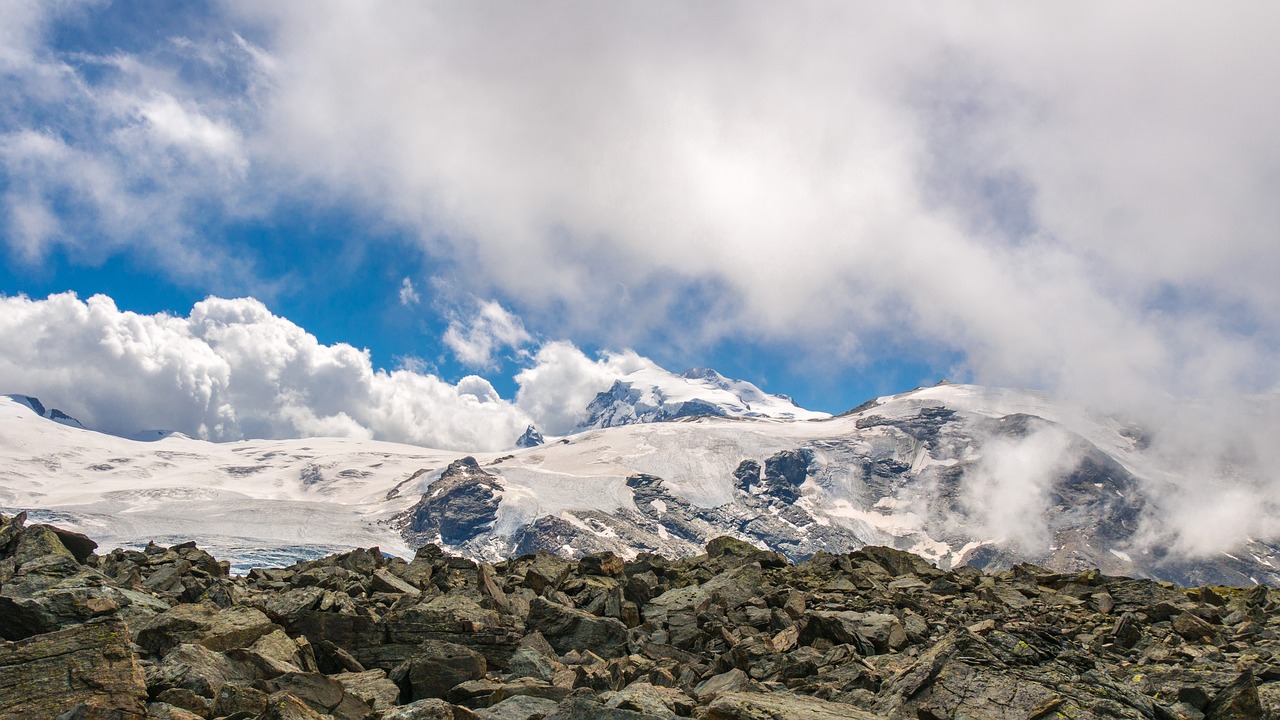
[(737, 633)]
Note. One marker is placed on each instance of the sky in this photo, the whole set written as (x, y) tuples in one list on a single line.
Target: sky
[(438, 223)]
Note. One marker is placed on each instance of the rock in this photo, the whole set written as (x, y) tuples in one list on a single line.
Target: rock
[(165, 711), (437, 666), (766, 706), (527, 662), (185, 699), (605, 563), (321, 693), (231, 699), (89, 664), (205, 623), (457, 507), (568, 628), (372, 687), (519, 707), (283, 706), (651, 700), (733, 681), (1237, 701), (431, 709), (196, 668), (883, 631), (1193, 628), (583, 705)]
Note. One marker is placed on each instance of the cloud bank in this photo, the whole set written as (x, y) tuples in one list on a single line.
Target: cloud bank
[(231, 369), (1071, 198)]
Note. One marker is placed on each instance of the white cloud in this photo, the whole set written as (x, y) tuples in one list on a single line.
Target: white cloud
[(959, 179), (408, 293), (488, 329), (232, 369), (1008, 493), (562, 381)]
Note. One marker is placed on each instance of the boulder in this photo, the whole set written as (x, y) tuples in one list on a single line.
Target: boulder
[(568, 629), (437, 666), (90, 664)]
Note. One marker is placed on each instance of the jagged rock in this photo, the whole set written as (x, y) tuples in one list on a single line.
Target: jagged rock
[(567, 628), (733, 681), (457, 507), (648, 699), (371, 686), (89, 664), (165, 711), (232, 699), (437, 666), (432, 709), (321, 693), (1237, 701), (758, 706), (519, 707), (205, 623), (185, 699), (283, 706), (196, 668)]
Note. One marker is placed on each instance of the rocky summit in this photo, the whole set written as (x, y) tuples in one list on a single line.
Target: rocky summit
[(736, 633)]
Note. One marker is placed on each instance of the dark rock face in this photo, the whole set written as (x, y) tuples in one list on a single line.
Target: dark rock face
[(735, 633), (458, 507)]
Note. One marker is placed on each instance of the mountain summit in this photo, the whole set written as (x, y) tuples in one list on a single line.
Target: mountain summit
[(652, 394)]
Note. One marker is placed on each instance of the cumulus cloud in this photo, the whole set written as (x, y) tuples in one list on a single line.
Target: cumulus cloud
[(562, 381), (229, 370), (489, 329)]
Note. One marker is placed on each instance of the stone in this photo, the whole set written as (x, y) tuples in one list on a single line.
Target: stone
[(89, 664), (605, 563), (430, 709), (437, 666), (1237, 701), (372, 687), (733, 681), (232, 698), (165, 711), (766, 706), (519, 707), (568, 628), (321, 693), (196, 668)]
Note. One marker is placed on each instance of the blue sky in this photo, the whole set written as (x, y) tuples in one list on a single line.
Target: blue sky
[(833, 203)]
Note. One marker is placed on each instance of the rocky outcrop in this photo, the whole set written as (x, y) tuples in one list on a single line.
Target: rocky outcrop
[(735, 633), (456, 508)]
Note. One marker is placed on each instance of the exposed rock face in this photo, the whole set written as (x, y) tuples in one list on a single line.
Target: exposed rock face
[(90, 665), (458, 507), (737, 633)]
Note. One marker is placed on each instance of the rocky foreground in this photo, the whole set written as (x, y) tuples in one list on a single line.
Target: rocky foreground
[(735, 634)]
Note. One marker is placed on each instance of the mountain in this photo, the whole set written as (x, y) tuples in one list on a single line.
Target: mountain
[(652, 394), (955, 473)]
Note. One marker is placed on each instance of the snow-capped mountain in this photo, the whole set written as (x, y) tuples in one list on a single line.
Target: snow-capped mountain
[(958, 474), (651, 394)]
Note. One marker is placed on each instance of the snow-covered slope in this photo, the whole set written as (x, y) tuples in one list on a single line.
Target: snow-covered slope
[(959, 474), (651, 394)]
